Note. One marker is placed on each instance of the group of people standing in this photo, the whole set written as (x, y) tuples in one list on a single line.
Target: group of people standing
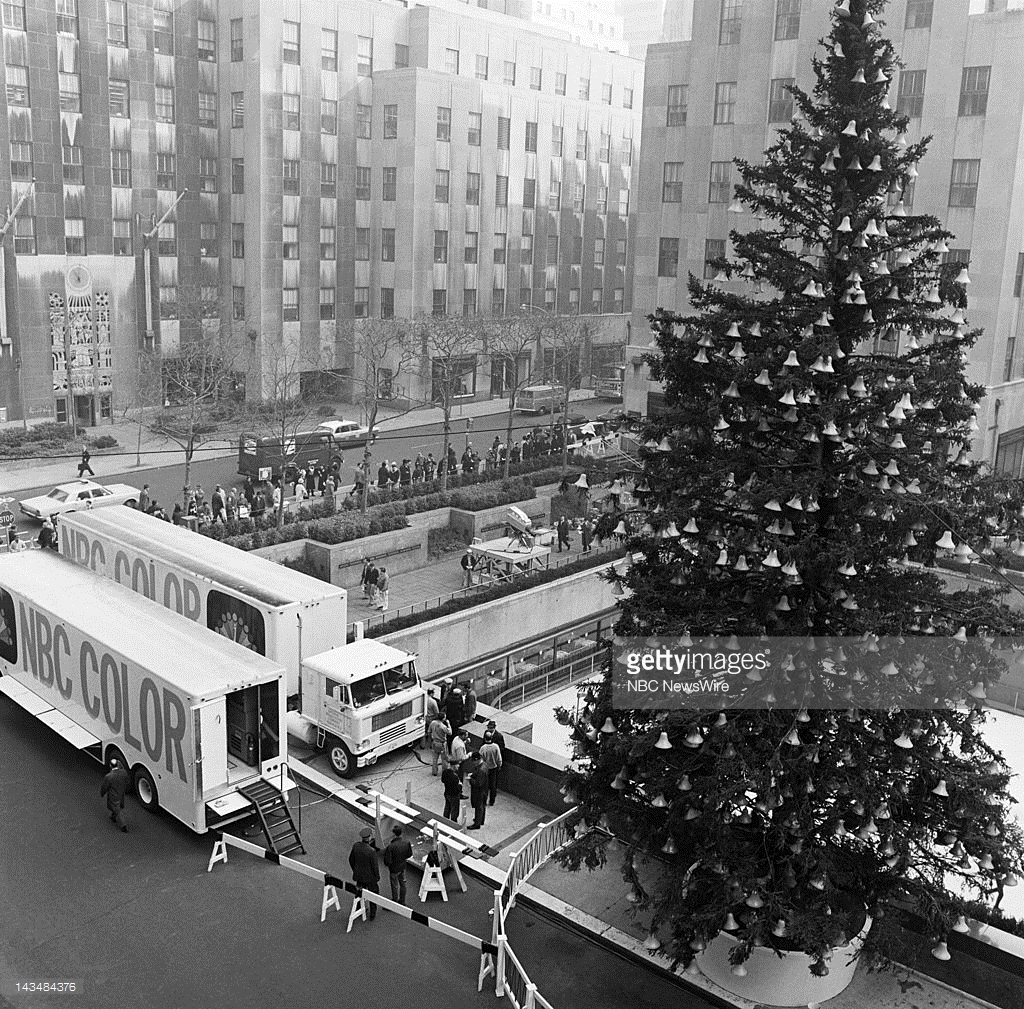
[(376, 584)]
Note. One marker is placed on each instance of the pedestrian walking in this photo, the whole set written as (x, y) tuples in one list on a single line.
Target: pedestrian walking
[(365, 871), (478, 792), (372, 576), (452, 785), (430, 467), (562, 527), (431, 714), (460, 749), (440, 730), (84, 466), (396, 854), (115, 784), (144, 499), (468, 564), (383, 586), (364, 578), (490, 754), (218, 503), (587, 534)]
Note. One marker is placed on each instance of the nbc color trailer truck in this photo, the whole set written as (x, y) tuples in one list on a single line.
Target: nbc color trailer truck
[(263, 606), (192, 716)]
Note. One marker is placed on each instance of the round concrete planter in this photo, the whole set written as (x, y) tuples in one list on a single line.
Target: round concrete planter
[(780, 981)]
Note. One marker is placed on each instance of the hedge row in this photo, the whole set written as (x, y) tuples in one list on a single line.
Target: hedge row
[(338, 529), (486, 595), (320, 508)]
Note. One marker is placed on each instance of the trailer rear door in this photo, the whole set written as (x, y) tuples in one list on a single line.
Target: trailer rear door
[(211, 746)]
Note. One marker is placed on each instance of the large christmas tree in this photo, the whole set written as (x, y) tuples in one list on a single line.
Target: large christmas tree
[(812, 460)]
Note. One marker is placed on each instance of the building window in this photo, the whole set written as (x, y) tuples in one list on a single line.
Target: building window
[(498, 301), (67, 17), (390, 122), (120, 167), (164, 99), (584, 93), (910, 100), (120, 99), (21, 161), (238, 175), (71, 94), (623, 203), (290, 178), (237, 46), (526, 248), (536, 78), (163, 31), (389, 192), (963, 183), (672, 182), (725, 103), (504, 132), (919, 13), (581, 145), (364, 122), (207, 108), (329, 117), (469, 301), (578, 198), (167, 239), (328, 50), (401, 56), (606, 94), (714, 248), (440, 246), (290, 304), (166, 169), (552, 252), (627, 150), (550, 298), (439, 304), (237, 302), (17, 85), (500, 246), (387, 245), (719, 182), (780, 101), (509, 76), (208, 240), (668, 257), (555, 195), (74, 236), (451, 61), (472, 247), (787, 20), (442, 185), (1018, 279), (290, 49), (602, 199), (476, 125), (74, 168), (596, 301), (290, 242), (362, 245), (974, 91), (208, 175), (531, 138), (207, 39), (560, 84), (472, 189), (444, 124), (387, 302), (729, 23), (525, 295), (675, 114), (168, 298), (481, 68), (14, 15), (501, 190), (1001, 454), (627, 98), (363, 183), (604, 148), (556, 141), (238, 241), (122, 235), (237, 110), (291, 111), (328, 179), (620, 248), (327, 303), (618, 299)]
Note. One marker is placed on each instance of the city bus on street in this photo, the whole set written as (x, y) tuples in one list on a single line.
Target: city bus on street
[(264, 458)]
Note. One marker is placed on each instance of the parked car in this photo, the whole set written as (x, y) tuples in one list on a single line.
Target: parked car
[(347, 432), (75, 494), (616, 417)]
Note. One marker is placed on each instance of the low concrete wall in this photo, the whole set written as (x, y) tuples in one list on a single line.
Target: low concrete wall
[(437, 518), (399, 551), (281, 552), (489, 524), (458, 638)]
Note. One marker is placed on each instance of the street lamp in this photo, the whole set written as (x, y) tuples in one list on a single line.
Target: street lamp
[(147, 254)]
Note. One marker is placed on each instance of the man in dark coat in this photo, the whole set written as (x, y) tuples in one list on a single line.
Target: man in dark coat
[(84, 464), (365, 872), (452, 785), (587, 534), (405, 473), (562, 528), (455, 707), (492, 728), (396, 854), (115, 784), (478, 792)]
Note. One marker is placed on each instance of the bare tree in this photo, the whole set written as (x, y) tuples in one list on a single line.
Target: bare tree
[(384, 351), (449, 342), (510, 341), (568, 340), (146, 397)]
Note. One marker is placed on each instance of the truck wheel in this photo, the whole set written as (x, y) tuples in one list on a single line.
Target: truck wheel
[(341, 759), (114, 753), (145, 789)]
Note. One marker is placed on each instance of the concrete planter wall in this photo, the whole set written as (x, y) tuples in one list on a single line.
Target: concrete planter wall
[(399, 551), (780, 981), (280, 552), (489, 524)]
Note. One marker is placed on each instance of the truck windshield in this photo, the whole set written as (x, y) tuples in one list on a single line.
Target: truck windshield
[(367, 691), (400, 678)]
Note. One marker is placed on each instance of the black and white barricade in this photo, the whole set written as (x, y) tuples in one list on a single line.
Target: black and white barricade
[(491, 954)]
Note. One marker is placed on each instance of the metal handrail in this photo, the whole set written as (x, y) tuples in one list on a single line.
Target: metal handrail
[(553, 673)]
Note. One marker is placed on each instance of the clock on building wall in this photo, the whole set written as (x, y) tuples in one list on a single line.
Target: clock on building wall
[(78, 277)]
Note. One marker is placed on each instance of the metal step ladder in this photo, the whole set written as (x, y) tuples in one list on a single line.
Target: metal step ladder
[(275, 817)]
